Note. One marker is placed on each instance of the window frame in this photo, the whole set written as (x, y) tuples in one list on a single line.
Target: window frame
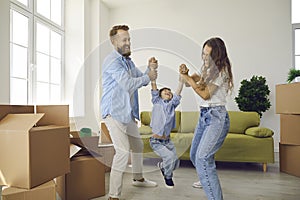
[(20, 8), (34, 18), (295, 27)]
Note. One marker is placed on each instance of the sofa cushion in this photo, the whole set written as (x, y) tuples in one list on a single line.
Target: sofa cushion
[(189, 121), (146, 119), (245, 148), (259, 132), (240, 121)]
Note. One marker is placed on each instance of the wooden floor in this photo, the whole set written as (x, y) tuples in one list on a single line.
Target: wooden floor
[(239, 181)]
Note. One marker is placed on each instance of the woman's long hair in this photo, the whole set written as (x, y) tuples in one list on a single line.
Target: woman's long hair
[(220, 60)]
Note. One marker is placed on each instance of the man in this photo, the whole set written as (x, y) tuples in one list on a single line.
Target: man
[(119, 107)]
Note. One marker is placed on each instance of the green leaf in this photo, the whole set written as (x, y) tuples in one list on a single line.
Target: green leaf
[(254, 95), (293, 73)]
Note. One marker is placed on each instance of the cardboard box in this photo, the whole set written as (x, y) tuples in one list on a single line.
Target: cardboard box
[(13, 109), (288, 98), (85, 181), (45, 191), (289, 159), (54, 114), (60, 182), (31, 155), (104, 153), (105, 136), (289, 129)]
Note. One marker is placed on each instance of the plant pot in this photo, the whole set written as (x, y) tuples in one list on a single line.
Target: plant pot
[(297, 79)]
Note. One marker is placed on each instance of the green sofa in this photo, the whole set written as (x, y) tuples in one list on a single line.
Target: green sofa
[(245, 142)]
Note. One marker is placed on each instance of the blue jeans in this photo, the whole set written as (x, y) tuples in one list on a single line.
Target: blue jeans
[(209, 136), (166, 150)]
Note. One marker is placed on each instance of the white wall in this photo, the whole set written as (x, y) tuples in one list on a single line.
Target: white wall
[(104, 22), (4, 49), (84, 19), (74, 50), (257, 33)]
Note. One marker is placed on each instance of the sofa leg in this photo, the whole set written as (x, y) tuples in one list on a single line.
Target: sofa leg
[(264, 167)]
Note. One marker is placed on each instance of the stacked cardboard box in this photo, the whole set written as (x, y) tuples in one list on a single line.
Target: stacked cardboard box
[(45, 191), (96, 145), (87, 177), (34, 149), (288, 106), (85, 181)]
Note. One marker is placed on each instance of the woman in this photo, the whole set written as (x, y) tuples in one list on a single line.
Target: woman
[(212, 85)]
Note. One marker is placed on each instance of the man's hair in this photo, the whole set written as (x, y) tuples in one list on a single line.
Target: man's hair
[(114, 29), (162, 89)]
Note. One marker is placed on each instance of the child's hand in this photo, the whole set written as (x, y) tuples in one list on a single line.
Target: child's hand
[(153, 63), (183, 69)]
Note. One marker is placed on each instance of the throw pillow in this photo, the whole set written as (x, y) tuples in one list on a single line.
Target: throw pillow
[(259, 132)]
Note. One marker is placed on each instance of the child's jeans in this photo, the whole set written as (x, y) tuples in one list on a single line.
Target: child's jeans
[(166, 150)]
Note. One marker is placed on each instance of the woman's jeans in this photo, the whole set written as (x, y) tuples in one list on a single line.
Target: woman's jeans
[(209, 136), (166, 150)]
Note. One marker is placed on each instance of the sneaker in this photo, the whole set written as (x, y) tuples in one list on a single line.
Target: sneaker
[(159, 165), (144, 183), (169, 183), (197, 185)]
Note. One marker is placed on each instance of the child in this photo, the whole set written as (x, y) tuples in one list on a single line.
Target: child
[(162, 122)]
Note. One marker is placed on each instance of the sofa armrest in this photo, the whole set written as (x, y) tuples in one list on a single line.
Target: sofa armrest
[(260, 132)]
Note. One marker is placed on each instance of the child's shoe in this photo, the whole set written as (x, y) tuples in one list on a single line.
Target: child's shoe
[(169, 183)]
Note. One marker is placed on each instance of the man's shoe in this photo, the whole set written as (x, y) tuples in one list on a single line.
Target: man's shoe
[(169, 183), (144, 183), (197, 185), (111, 198), (159, 165)]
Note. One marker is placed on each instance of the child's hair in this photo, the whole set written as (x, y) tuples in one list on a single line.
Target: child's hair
[(162, 89)]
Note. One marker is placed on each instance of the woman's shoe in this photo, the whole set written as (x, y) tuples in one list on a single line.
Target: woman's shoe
[(197, 185)]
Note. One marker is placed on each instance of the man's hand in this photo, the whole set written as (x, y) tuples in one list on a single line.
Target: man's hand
[(183, 69), (153, 63), (152, 74)]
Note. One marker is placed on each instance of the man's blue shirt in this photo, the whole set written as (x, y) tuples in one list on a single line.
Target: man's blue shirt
[(120, 83)]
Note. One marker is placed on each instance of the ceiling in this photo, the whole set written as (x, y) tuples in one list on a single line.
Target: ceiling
[(120, 3)]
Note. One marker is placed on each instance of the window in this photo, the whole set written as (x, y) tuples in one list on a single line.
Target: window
[(36, 45), (296, 33)]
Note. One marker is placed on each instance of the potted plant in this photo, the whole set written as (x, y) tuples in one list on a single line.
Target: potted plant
[(293, 73), (254, 95)]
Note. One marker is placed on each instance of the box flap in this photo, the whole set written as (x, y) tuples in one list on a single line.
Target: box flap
[(73, 150), (54, 115), (6, 109), (22, 122), (89, 143)]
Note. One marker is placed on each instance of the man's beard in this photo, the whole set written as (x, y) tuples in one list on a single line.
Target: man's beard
[(122, 50)]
